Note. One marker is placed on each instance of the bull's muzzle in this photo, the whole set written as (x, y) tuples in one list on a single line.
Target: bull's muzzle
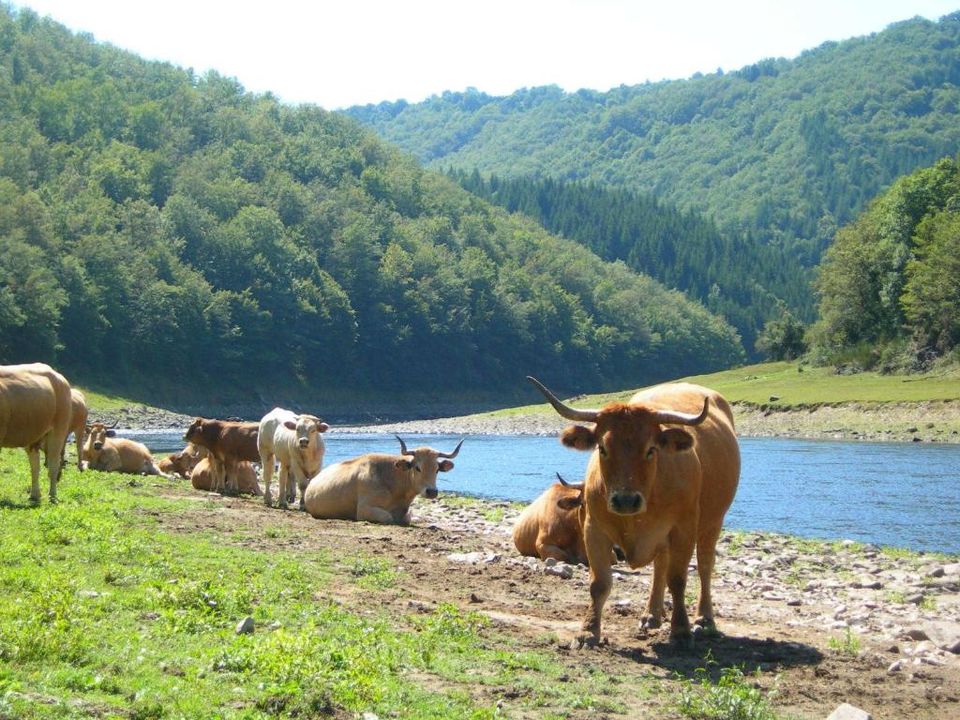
[(304, 442), (430, 493), (98, 446), (626, 503)]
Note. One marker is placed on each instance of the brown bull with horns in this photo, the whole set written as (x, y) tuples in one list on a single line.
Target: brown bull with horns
[(664, 470)]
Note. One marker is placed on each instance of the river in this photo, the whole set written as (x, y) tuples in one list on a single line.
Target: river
[(897, 494)]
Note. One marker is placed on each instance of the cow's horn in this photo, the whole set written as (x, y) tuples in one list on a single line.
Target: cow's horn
[(670, 417), (565, 410), (403, 446), (453, 454), (578, 486)]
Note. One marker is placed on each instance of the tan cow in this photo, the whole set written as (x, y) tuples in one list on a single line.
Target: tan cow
[(656, 492), (377, 488), (183, 462), (549, 527), (78, 425), (35, 415), (204, 477), (104, 451), (296, 441)]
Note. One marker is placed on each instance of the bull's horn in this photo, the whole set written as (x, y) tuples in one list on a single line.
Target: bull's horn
[(115, 423), (403, 446), (578, 486), (454, 453), (670, 417), (564, 410)]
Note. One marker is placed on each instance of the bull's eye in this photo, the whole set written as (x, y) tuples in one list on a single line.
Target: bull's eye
[(651, 452), (602, 450)]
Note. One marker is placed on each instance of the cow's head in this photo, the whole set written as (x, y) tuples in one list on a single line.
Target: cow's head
[(628, 439), (424, 463), (307, 429), (572, 498), (98, 433), (195, 431)]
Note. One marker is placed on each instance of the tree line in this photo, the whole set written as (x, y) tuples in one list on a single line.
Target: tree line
[(174, 233)]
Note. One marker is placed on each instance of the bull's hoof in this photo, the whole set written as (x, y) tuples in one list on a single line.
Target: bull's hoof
[(705, 627), (267, 501), (587, 640), (681, 640), (650, 622)]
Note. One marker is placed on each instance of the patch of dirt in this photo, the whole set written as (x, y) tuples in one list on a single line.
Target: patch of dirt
[(823, 625)]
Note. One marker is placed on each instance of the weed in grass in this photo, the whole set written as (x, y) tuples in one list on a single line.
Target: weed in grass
[(373, 574), (494, 515), (849, 644), (731, 697)]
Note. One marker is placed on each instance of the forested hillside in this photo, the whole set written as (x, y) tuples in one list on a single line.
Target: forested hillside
[(782, 151), (889, 285), (736, 277), (164, 231)]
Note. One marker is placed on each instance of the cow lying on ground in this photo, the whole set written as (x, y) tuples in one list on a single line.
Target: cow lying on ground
[(104, 451), (656, 492), (296, 442), (549, 527), (229, 442), (204, 477), (35, 415), (183, 462), (377, 488)]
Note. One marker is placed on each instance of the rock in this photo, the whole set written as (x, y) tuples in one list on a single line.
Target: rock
[(562, 570), (849, 712), (895, 666), (945, 635), (471, 558), (916, 634), (246, 626)]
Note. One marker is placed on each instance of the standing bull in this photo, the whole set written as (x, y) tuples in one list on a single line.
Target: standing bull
[(229, 442), (104, 451), (656, 492), (297, 443), (377, 488), (549, 527), (35, 415)]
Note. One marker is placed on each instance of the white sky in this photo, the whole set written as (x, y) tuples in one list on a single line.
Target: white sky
[(352, 52)]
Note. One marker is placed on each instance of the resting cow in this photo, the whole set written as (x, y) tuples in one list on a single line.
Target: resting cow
[(183, 462), (550, 526), (35, 415), (296, 441), (229, 442), (377, 488), (204, 477), (656, 492), (104, 451)]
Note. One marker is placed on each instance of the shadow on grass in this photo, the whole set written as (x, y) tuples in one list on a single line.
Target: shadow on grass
[(714, 654)]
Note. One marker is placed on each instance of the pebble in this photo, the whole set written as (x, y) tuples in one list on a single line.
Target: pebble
[(849, 712), (246, 626)]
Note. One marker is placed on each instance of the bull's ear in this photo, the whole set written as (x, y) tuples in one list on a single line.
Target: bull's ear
[(445, 466), (569, 503), (290, 425), (322, 427), (675, 439), (403, 464), (579, 437), (111, 433)]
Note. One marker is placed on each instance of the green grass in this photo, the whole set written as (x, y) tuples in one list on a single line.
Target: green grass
[(730, 697), (106, 613), (848, 645)]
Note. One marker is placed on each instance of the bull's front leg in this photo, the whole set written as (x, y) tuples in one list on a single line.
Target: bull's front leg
[(33, 453), (653, 618), (266, 463), (681, 550), (283, 486), (374, 514), (599, 552), (231, 485)]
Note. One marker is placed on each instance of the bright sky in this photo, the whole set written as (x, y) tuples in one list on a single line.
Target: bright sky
[(354, 52)]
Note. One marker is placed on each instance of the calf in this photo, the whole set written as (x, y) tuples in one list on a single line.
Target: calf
[(296, 441), (104, 451), (229, 442), (205, 476), (550, 526), (183, 462), (377, 488)]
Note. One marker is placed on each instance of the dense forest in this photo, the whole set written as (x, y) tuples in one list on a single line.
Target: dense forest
[(173, 233), (780, 152), (889, 285), (736, 277)]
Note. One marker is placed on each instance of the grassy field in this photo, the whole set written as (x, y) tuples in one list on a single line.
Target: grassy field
[(104, 614)]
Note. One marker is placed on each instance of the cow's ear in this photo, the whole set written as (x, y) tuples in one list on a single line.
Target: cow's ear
[(111, 433), (579, 437), (675, 439), (445, 466), (403, 464), (569, 503), (322, 427), (290, 425)]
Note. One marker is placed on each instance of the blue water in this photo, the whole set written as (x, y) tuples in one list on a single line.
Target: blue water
[(898, 494)]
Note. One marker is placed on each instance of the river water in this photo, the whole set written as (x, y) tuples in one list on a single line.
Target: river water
[(897, 494)]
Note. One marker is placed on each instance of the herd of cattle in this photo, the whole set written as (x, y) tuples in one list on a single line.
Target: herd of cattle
[(663, 471)]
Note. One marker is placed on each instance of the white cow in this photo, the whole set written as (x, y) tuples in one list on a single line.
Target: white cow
[(297, 444)]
